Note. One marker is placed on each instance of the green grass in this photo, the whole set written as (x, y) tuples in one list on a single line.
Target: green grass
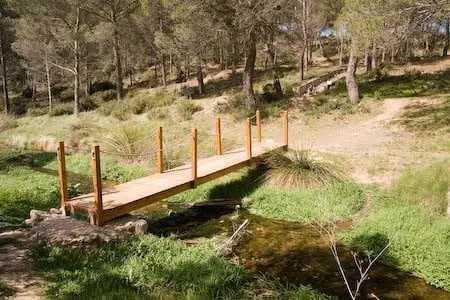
[(147, 267), (5, 291), (334, 202), (29, 180), (407, 215)]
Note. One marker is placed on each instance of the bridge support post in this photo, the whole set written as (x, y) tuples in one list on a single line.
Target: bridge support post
[(286, 130), (159, 147), (249, 139), (194, 155), (258, 126), (218, 137), (97, 181), (62, 176)]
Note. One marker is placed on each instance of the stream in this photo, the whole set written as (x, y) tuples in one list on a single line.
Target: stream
[(290, 252)]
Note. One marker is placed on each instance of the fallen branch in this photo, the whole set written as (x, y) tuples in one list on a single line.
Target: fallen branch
[(227, 247)]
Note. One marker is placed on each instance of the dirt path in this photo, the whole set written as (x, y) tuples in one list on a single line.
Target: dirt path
[(15, 269)]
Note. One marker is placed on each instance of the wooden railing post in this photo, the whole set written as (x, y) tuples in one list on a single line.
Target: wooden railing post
[(194, 155), (249, 139), (286, 129), (218, 137), (159, 147), (62, 176), (258, 126), (97, 181)]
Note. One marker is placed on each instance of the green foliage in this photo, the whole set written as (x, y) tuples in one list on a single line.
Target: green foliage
[(327, 104), (410, 215), (37, 112), (149, 267), (159, 113), (429, 119), (187, 109), (61, 109), (5, 291), (298, 169), (124, 140), (121, 111), (83, 125), (7, 122)]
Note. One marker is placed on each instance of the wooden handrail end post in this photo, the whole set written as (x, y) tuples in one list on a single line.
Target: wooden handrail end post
[(97, 182)]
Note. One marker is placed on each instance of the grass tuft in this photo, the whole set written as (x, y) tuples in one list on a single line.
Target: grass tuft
[(7, 123), (298, 169)]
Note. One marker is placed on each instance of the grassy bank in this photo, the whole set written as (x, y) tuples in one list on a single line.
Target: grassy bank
[(148, 267), (412, 215), (29, 180)]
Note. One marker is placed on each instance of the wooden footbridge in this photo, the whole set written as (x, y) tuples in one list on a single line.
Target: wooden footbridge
[(105, 205)]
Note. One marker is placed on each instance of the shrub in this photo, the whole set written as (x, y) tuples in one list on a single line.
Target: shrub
[(101, 86), (298, 169), (27, 92), (83, 125), (138, 106), (121, 111), (108, 95), (7, 123), (159, 113), (36, 112), (61, 109), (87, 104), (412, 74), (106, 108), (187, 109), (66, 95), (19, 106)]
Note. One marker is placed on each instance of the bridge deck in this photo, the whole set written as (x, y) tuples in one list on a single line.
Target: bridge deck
[(127, 197)]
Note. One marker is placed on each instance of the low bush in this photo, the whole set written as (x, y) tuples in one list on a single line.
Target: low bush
[(83, 125), (36, 112), (61, 109), (106, 108), (187, 109), (159, 113), (19, 106), (87, 104), (121, 111), (123, 140), (101, 86), (7, 122)]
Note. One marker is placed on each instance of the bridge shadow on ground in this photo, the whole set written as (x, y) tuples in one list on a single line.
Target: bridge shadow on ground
[(222, 200)]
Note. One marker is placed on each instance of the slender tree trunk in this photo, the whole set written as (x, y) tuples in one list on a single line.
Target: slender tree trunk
[(156, 71), (49, 83), (341, 51), (374, 56), (163, 70), (249, 70), (201, 83), (392, 55), (233, 56), (272, 56), (352, 86), (170, 63), (383, 55), (87, 86), (33, 90), (447, 38), (366, 58), (76, 69), (117, 59), (4, 72)]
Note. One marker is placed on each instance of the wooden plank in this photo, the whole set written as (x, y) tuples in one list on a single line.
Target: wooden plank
[(159, 148), (218, 137), (258, 126), (249, 139), (97, 181), (62, 176)]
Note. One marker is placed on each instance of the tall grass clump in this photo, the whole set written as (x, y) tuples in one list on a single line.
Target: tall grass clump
[(124, 141), (298, 169), (7, 123), (187, 109)]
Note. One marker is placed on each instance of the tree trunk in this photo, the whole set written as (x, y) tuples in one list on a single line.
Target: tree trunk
[(341, 51), (4, 72), (392, 55), (352, 86), (249, 70), (49, 83), (201, 83), (233, 56), (374, 56), (163, 70), (383, 55), (302, 63), (447, 38), (117, 59), (87, 86), (170, 63), (76, 69), (271, 54), (156, 71)]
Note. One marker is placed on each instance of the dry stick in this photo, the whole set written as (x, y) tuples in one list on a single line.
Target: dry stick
[(286, 129), (249, 139), (62, 174), (218, 137), (97, 180), (236, 235), (258, 126), (159, 154), (194, 155)]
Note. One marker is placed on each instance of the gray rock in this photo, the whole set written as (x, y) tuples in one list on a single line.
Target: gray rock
[(140, 227)]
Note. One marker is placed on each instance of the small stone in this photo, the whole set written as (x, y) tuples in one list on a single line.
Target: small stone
[(55, 211), (37, 215), (141, 227)]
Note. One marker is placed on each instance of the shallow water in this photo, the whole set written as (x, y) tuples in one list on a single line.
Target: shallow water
[(290, 252)]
